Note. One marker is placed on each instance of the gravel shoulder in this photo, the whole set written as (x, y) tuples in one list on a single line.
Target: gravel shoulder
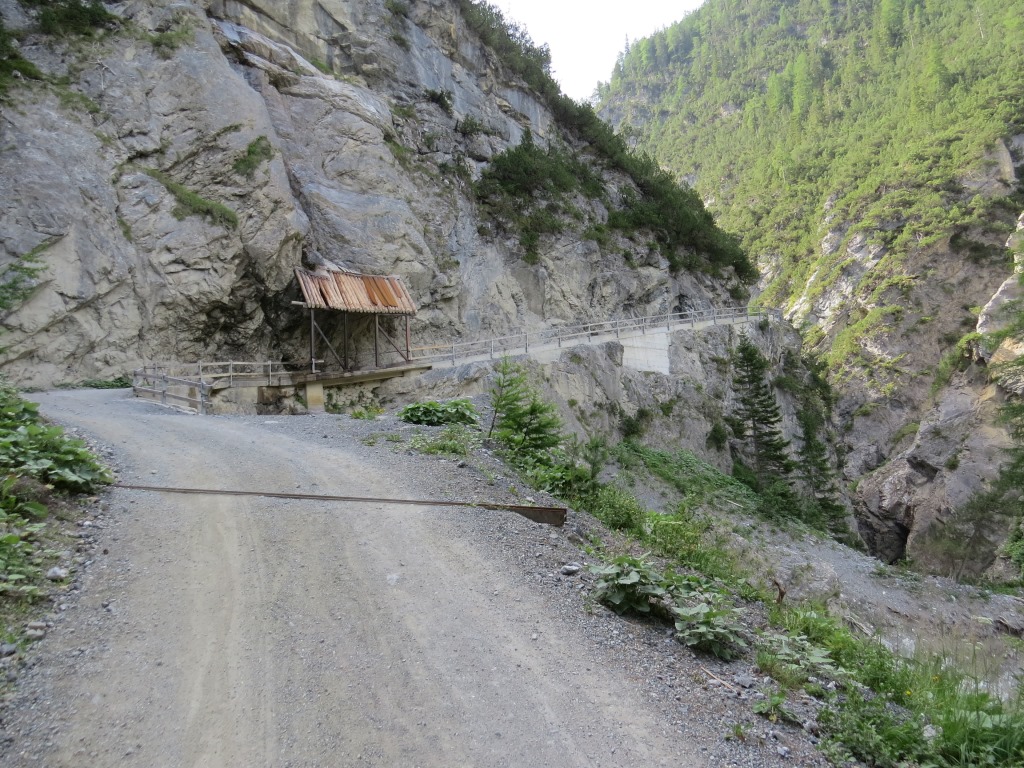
[(223, 631)]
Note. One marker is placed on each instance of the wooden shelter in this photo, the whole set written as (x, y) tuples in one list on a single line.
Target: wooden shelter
[(352, 293)]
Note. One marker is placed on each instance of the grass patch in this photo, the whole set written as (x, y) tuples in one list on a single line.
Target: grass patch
[(453, 440), (906, 430), (193, 204), (63, 18), (258, 151)]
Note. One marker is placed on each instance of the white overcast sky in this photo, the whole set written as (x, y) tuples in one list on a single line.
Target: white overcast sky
[(586, 35)]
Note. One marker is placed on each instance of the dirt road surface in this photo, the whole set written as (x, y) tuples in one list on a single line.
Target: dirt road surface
[(227, 631)]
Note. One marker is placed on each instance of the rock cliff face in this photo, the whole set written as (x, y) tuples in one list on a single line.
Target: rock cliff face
[(923, 434), (199, 154)]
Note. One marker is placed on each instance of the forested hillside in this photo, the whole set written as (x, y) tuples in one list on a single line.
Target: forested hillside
[(793, 116), (868, 155)]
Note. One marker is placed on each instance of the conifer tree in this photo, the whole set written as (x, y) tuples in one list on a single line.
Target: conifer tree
[(526, 425), (760, 415), (817, 476)]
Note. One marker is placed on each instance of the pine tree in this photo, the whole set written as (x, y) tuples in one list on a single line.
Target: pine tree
[(760, 415), (816, 474), (526, 425)]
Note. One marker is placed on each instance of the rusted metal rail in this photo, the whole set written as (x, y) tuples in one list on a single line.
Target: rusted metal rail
[(546, 515)]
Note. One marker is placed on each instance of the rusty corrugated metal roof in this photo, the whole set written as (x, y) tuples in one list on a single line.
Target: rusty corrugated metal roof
[(352, 292)]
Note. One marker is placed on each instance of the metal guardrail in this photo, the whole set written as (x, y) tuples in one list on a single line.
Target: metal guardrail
[(201, 379), (523, 341)]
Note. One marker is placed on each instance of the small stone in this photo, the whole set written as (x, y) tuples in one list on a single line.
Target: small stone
[(783, 751), (8, 649), (744, 681), (36, 625), (570, 569), (35, 634), (533, 636), (57, 573)]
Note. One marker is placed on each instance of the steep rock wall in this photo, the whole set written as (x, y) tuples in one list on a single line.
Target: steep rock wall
[(346, 96)]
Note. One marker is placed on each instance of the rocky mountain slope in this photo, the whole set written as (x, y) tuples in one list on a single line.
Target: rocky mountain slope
[(173, 171), (868, 155)]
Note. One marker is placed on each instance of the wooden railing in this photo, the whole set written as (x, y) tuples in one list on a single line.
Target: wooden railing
[(167, 381)]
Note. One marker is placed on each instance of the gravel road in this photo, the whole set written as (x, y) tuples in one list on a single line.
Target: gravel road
[(240, 631)]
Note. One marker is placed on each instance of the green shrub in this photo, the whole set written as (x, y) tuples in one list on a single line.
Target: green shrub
[(45, 453), (433, 413), (617, 509), (635, 426), (167, 42), (443, 99), (192, 204), (628, 584), (258, 151), (711, 626), (718, 436), (11, 62), (18, 278), (367, 412), (118, 382), (72, 17)]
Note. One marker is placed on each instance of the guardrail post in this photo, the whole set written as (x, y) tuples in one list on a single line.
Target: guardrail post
[(231, 373), (163, 393), (492, 349), (453, 354), (527, 335), (202, 398)]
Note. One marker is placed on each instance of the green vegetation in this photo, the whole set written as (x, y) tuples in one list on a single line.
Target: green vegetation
[(192, 204), (71, 17), (453, 440), (258, 151), (366, 412), (684, 231), (118, 382), (760, 415), (36, 462), (12, 65), (433, 413), (18, 278), (957, 359), (165, 43), (879, 708), (703, 616), (869, 114), (443, 99)]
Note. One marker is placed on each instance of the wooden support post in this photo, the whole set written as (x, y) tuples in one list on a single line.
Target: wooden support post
[(376, 345), (312, 341), (408, 350), (344, 341)]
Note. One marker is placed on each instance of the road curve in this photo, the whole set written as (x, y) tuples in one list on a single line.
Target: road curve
[(238, 631)]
